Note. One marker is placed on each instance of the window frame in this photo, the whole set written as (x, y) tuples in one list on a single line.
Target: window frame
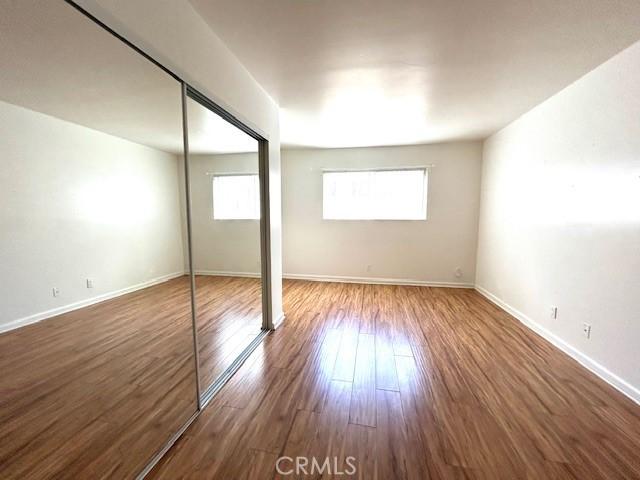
[(233, 174), (426, 169)]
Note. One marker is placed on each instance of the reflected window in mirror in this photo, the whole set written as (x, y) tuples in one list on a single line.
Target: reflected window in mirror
[(236, 197)]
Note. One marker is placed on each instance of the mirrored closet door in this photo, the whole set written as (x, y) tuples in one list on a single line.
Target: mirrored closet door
[(224, 189), (97, 354)]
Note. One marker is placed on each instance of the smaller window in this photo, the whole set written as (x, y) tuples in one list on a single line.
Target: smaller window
[(236, 197), (399, 194)]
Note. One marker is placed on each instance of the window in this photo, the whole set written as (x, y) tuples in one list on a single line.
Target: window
[(375, 194), (236, 197)]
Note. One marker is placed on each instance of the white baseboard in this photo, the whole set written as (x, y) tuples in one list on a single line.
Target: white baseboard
[(37, 317), (375, 280), (221, 273), (611, 378), (279, 321), (341, 279)]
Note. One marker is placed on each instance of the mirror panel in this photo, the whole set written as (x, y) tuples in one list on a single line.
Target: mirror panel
[(225, 228), (96, 354)]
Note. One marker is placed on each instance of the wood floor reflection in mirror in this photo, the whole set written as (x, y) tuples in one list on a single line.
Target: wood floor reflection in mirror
[(97, 391), (229, 319), (94, 392), (225, 234)]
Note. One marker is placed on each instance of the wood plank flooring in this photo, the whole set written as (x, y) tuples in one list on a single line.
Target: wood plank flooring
[(94, 393), (228, 317), (97, 391), (413, 382)]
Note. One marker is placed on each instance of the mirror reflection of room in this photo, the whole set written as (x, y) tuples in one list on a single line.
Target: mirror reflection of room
[(225, 226), (96, 349)]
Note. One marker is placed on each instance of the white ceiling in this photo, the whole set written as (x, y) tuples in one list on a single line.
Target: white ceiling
[(384, 72), (55, 61)]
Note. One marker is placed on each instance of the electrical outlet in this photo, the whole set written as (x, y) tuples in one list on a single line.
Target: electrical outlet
[(368, 268), (56, 291), (586, 330), (458, 272), (553, 312), (89, 283)]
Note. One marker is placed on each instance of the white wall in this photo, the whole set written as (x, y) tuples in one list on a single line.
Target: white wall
[(173, 32), (223, 246), (560, 218), (420, 251), (76, 203)]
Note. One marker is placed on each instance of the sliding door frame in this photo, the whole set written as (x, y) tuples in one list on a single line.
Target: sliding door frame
[(263, 175), (192, 277), (188, 92)]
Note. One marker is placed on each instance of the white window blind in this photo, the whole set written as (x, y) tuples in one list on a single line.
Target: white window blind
[(375, 194), (236, 197)]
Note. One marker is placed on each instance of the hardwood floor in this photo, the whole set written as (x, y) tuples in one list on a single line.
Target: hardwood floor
[(413, 382), (94, 393), (229, 317)]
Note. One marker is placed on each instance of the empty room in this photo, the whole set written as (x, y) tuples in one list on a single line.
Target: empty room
[(319, 239)]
